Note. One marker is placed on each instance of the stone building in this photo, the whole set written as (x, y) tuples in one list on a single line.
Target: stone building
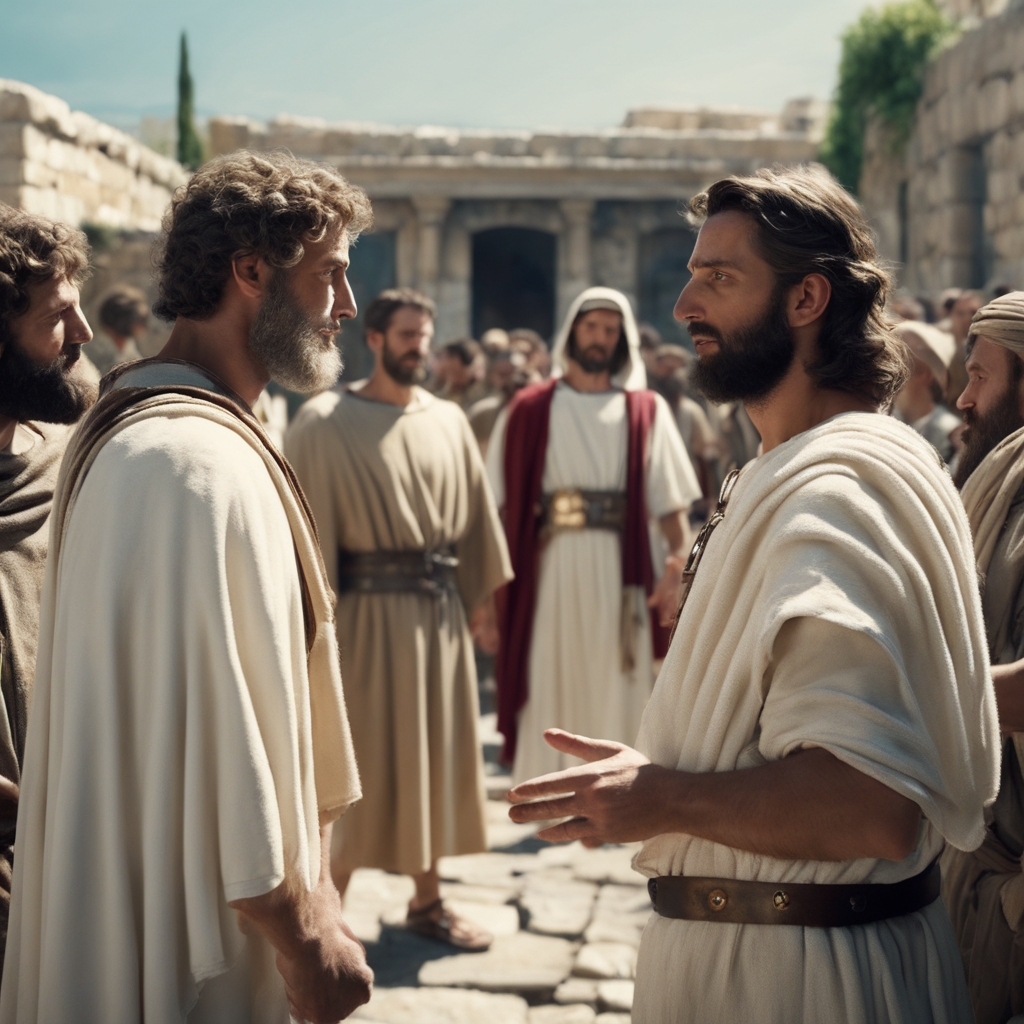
[(949, 207), (504, 228)]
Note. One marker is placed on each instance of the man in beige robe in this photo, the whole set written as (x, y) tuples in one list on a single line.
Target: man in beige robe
[(413, 545), (984, 888), (42, 331), (188, 746)]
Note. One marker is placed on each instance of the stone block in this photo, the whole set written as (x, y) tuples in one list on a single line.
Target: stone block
[(605, 960), (994, 104), (492, 894), (441, 1006), (576, 1014), (500, 921), (14, 171), (610, 864), (486, 868), (21, 102), (577, 990), (524, 963), (557, 903), (616, 996), (612, 1018)]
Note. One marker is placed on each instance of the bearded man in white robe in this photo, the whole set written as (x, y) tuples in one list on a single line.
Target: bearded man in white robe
[(984, 888), (824, 721), (600, 458), (188, 746)]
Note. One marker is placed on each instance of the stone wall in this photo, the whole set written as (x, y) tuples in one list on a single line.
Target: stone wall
[(68, 166), (951, 204), (598, 193)]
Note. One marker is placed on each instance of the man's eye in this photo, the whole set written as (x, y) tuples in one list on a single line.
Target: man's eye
[(718, 275)]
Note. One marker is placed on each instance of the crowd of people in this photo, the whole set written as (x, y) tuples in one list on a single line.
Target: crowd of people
[(239, 661)]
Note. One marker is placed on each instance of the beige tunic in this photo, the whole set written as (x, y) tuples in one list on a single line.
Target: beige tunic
[(382, 477)]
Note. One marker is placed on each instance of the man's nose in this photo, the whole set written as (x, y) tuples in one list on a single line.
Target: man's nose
[(78, 330), (965, 401), (685, 308), (344, 307)]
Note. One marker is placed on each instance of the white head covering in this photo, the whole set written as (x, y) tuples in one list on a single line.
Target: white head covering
[(935, 348), (633, 376)]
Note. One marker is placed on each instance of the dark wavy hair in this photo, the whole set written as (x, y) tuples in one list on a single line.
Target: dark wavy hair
[(809, 224), (378, 315), (267, 204), (32, 250)]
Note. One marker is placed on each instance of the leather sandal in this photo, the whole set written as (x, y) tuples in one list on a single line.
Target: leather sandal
[(438, 922)]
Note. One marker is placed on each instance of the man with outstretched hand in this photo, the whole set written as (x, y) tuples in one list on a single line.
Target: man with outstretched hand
[(824, 720)]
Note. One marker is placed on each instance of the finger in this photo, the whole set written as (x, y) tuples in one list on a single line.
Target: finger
[(581, 746), (567, 831), (556, 784), (591, 843), (653, 601), (544, 810)]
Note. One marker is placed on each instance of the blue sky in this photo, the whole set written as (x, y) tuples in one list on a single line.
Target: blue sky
[(466, 63)]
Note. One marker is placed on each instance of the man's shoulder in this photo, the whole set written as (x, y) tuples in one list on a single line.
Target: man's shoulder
[(319, 408)]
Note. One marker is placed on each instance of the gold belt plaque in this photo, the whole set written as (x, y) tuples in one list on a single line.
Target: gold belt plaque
[(568, 510)]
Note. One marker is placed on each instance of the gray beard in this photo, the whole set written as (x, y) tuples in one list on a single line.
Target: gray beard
[(286, 341)]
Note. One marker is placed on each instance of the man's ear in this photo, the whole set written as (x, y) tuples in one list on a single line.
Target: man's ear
[(374, 341), (251, 274), (809, 300)]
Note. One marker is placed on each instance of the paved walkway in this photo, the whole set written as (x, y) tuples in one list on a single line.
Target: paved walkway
[(567, 923)]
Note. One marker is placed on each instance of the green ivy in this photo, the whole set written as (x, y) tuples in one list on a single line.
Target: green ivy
[(881, 74)]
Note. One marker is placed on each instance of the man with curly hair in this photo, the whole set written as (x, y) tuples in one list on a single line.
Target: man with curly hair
[(189, 746), (824, 721), (42, 392)]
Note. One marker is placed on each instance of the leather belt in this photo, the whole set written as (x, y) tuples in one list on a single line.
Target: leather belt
[(808, 904), (397, 572), (572, 509)]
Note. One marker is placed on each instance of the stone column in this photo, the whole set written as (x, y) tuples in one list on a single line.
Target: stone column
[(454, 293), (430, 215), (574, 264)]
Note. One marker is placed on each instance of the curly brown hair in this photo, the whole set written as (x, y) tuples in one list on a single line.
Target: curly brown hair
[(809, 224), (267, 204), (32, 250)]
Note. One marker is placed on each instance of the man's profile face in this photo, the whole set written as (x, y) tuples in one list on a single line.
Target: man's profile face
[(595, 337), (404, 347), (40, 374), (991, 403), (735, 313), (293, 332)]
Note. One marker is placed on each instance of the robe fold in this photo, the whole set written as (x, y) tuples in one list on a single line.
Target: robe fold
[(984, 888), (836, 606), (384, 477), (26, 494), (188, 733)]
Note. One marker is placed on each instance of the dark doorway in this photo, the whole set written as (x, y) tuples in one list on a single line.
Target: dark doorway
[(514, 280), (371, 270), (662, 271)]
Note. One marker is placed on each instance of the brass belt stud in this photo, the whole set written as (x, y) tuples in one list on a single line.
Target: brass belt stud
[(781, 900), (717, 899), (859, 903)]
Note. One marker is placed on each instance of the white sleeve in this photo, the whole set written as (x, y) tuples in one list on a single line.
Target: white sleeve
[(671, 482), (495, 462)]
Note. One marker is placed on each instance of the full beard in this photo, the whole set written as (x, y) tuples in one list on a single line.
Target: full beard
[(51, 392), (983, 433), (287, 342), (750, 362), (403, 370)]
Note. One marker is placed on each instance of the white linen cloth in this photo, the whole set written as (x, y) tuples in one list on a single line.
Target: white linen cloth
[(576, 680), (855, 526), (182, 749)]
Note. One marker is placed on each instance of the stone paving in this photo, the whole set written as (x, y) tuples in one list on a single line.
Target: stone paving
[(566, 921)]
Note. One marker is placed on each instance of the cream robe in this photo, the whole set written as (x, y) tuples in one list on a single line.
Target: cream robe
[(836, 606), (181, 753), (380, 476), (576, 680)]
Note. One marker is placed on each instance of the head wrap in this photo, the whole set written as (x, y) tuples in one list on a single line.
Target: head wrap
[(1001, 322), (933, 347), (633, 376)]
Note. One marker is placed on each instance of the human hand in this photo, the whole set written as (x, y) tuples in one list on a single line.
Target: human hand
[(483, 627), (619, 796), (326, 978), (666, 594)]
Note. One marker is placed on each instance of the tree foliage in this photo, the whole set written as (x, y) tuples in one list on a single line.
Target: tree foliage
[(881, 74), (190, 147)]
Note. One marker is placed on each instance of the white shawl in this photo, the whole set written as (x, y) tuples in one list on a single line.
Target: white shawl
[(857, 523), (633, 376)]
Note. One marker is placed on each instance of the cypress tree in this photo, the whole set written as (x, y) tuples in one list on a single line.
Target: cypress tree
[(190, 148)]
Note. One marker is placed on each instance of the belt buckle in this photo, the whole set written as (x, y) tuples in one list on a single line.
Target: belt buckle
[(568, 510)]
